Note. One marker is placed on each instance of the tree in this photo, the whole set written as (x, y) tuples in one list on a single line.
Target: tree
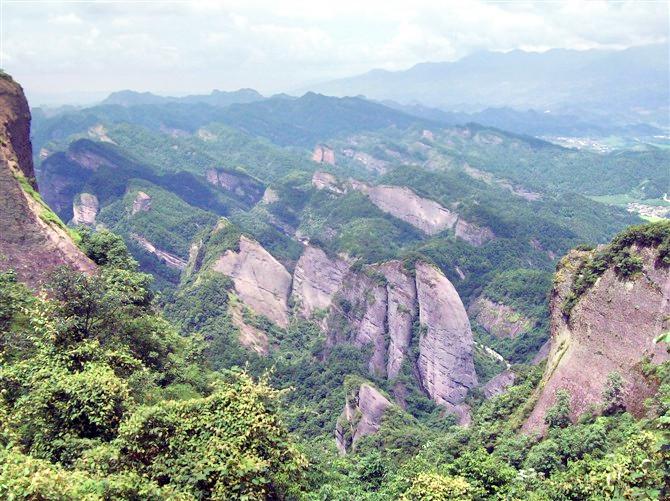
[(612, 396), (558, 416)]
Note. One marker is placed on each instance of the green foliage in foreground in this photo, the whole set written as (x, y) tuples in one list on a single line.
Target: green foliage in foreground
[(100, 398)]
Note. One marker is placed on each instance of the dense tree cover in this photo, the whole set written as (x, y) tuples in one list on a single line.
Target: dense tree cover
[(101, 398)]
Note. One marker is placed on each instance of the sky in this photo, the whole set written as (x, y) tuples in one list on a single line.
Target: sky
[(79, 51)]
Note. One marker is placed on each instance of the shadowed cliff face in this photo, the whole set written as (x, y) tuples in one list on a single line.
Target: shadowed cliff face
[(610, 329), (32, 239)]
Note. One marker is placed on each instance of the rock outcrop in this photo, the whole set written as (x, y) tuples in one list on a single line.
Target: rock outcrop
[(32, 239), (401, 310), (323, 155), (142, 203), (362, 415), (498, 384), (379, 306), (261, 282), (611, 328), (249, 336), (85, 209), (401, 202), (240, 184), (445, 360), (169, 259), (498, 319), (326, 181)]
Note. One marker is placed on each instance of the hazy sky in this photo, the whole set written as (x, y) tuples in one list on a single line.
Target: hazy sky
[(79, 50)]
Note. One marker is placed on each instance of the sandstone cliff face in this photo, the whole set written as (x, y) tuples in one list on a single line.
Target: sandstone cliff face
[(261, 282), (323, 155), (401, 311), (316, 279), (610, 329), (362, 415), (378, 307), (497, 385), (498, 319), (85, 209), (445, 347), (401, 202), (31, 241)]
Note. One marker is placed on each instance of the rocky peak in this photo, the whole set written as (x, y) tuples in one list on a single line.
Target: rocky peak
[(15, 127), (610, 327), (380, 305)]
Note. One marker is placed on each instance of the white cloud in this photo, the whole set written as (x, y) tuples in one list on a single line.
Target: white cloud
[(194, 46)]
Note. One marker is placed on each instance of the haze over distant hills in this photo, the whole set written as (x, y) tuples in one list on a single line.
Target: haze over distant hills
[(630, 85)]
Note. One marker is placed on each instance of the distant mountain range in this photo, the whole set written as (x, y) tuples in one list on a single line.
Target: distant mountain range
[(216, 98), (589, 82)]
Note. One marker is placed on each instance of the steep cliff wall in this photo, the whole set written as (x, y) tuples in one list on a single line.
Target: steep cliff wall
[(610, 326), (32, 238), (260, 280), (378, 307), (445, 348), (316, 279)]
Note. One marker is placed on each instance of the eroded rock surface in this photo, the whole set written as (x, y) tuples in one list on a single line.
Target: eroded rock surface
[(445, 347), (362, 415), (316, 279), (31, 242), (610, 329), (142, 203), (401, 312), (169, 259), (242, 185), (323, 155), (85, 209), (498, 384), (377, 307), (403, 203), (261, 282), (498, 319)]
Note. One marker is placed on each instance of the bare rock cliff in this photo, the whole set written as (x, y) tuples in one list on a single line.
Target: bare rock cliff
[(610, 329), (362, 415), (32, 239), (498, 319), (379, 306), (316, 279), (85, 209), (261, 282), (445, 348)]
